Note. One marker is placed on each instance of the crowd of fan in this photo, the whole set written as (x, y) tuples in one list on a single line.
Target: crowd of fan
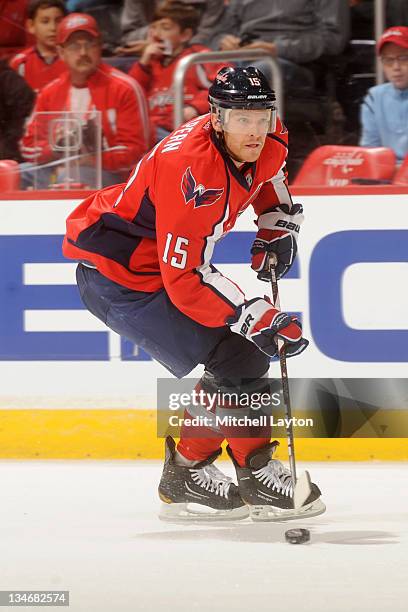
[(119, 57)]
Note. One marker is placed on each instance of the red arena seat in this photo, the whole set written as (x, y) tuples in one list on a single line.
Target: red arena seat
[(401, 176), (9, 175), (339, 166)]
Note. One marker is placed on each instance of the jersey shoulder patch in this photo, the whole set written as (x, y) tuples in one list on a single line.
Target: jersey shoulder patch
[(198, 195)]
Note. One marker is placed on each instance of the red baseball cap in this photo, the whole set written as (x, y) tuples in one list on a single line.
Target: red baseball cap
[(397, 35), (76, 22)]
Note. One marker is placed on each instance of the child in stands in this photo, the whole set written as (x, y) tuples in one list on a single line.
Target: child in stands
[(40, 64), (172, 27)]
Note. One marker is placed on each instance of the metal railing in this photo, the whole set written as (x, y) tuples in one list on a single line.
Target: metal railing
[(212, 57), (379, 27)]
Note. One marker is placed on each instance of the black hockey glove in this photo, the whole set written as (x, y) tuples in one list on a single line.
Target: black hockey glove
[(261, 323), (277, 233)]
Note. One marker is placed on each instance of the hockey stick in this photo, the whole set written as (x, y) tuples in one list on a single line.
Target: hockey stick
[(302, 486)]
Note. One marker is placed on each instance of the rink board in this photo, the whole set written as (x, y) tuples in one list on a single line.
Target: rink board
[(70, 388)]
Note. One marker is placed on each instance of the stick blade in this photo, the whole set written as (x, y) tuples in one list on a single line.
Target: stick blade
[(303, 489)]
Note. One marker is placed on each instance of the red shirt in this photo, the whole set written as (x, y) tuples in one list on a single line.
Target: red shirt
[(125, 124), (160, 229), (157, 81), (35, 70)]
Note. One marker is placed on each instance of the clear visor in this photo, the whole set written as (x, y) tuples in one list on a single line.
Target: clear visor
[(249, 122)]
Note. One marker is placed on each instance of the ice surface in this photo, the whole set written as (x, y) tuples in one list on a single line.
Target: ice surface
[(91, 528)]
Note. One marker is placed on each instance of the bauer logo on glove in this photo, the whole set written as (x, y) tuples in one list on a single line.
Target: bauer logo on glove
[(291, 227), (261, 323), (277, 234)]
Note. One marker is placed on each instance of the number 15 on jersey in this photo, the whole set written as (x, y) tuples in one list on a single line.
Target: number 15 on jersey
[(174, 249)]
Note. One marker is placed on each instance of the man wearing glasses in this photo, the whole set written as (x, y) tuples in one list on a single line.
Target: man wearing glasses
[(89, 86), (384, 113)]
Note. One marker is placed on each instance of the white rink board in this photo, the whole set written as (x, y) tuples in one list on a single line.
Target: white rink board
[(114, 383)]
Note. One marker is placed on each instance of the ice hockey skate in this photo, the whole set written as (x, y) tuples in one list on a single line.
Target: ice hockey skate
[(201, 492), (266, 486)]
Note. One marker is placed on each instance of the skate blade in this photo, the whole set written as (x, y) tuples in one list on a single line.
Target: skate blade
[(190, 512), (271, 513)]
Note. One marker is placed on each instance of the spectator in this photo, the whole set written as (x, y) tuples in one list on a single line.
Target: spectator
[(86, 87), (13, 14), (171, 30), (40, 64), (138, 13), (16, 103), (295, 31), (107, 14), (384, 112)]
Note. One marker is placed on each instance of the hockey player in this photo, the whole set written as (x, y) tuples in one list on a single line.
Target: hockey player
[(145, 270)]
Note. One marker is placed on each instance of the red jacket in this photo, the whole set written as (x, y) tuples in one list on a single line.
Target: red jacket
[(157, 81), (160, 228), (125, 124), (31, 66)]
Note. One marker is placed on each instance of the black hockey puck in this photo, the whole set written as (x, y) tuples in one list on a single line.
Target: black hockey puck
[(297, 536)]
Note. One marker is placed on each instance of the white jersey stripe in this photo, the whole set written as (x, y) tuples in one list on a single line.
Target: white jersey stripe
[(281, 189), (134, 175), (130, 181), (222, 285)]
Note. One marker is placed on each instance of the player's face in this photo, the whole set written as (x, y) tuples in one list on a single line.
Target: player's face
[(169, 33), (395, 65), (245, 133), (44, 26), (82, 53)]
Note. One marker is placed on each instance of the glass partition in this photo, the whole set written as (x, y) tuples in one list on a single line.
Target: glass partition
[(64, 149)]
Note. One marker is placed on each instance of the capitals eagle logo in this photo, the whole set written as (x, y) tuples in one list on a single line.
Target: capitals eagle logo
[(198, 193)]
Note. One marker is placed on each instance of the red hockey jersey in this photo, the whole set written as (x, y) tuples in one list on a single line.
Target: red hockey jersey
[(160, 228), (125, 124), (157, 81), (35, 70)]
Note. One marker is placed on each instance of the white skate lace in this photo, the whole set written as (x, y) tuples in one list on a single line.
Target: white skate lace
[(275, 476), (212, 479)]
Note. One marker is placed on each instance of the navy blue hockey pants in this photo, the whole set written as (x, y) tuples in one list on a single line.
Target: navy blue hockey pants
[(152, 322)]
